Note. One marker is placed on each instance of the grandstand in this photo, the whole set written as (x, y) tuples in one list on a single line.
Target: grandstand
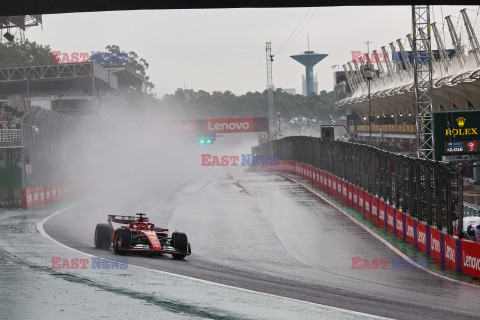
[(456, 81)]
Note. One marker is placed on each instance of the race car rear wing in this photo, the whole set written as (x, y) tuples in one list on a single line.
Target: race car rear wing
[(125, 219)]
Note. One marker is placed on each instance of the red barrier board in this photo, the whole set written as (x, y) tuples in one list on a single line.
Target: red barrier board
[(36, 197), (47, 194), (64, 189), (374, 210), (339, 190), (410, 229), (361, 200), (41, 191), (367, 206), (334, 187), (399, 224), (381, 214), (422, 236), (53, 191), (344, 193), (59, 192), (350, 195), (471, 258), (27, 198), (450, 252), (322, 181), (390, 218), (435, 250), (355, 198), (330, 184)]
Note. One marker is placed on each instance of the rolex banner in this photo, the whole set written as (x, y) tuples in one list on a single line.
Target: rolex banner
[(456, 133)]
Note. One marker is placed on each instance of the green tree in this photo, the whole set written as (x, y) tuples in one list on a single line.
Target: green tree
[(24, 54), (201, 104)]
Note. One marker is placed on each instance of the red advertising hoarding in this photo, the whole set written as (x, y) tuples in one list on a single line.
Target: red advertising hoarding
[(421, 236), (367, 206), (410, 237), (361, 200), (471, 258), (450, 245), (355, 198), (435, 248), (381, 214), (350, 195), (390, 218), (182, 127), (334, 187), (399, 224), (339, 190), (374, 211)]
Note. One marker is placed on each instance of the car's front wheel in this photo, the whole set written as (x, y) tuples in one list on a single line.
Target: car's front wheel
[(180, 243), (121, 240)]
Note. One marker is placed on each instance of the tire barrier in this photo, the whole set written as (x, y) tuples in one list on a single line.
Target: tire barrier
[(458, 255), (45, 195)]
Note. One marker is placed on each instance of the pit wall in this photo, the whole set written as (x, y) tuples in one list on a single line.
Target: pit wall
[(45, 195), (462, 256)]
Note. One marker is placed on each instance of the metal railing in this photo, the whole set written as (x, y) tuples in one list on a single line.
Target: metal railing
[(9, 135), (427, 190)]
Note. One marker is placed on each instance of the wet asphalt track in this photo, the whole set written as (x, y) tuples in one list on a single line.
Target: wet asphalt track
[(263, 233)]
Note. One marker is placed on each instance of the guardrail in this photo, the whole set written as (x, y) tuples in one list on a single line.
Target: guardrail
[(10, 135), (426, 190)]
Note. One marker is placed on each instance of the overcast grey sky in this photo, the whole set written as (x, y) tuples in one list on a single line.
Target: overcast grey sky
[(224, 49)]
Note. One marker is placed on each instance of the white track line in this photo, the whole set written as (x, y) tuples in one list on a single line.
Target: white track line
[(41, 230), (385, 242)]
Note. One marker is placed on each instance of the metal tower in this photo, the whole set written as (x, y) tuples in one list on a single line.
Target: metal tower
[(270, 91), (309, 59), (422, 74)]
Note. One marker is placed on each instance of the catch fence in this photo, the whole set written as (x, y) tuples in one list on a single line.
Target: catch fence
[(427, 190)]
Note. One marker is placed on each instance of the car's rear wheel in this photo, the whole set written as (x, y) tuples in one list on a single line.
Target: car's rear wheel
[(180, 243), (103, 236), (121, 240)]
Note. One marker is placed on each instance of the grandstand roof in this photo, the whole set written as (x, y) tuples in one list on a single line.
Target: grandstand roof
[(456, 87)]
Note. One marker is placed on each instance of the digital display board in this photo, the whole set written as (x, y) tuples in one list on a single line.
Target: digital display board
[(456, 133), (461, 147)]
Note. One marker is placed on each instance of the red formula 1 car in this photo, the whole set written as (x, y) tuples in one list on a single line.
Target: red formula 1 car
[(138, 235)]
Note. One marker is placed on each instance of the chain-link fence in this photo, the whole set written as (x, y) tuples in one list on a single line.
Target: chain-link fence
[(427, 190), (49, 140)]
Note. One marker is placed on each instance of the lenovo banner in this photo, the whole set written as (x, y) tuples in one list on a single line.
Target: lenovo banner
[(210, 126), (470, 258), (182, 127), (422, 243), (410, 236), (435, 248)]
